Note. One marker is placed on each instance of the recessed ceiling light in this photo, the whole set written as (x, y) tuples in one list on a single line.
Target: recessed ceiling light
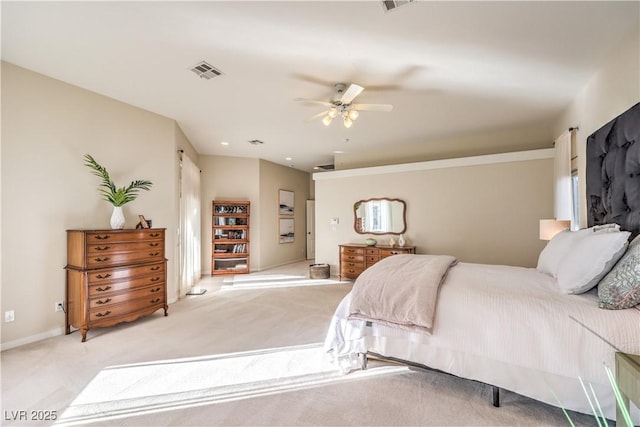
[(288, 158), (338, 152), (224, 143)]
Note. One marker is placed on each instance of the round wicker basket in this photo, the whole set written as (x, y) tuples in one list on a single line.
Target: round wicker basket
[(319, 271)]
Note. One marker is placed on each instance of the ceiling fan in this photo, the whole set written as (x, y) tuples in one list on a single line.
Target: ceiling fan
[(341, 105)]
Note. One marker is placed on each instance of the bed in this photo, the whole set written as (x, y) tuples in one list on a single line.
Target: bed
[(538, 331)]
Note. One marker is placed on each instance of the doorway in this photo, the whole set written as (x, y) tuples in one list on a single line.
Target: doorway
[(311, 229)]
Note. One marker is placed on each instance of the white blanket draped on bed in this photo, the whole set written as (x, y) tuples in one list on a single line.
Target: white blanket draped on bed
[(509, 327), (401, 291)]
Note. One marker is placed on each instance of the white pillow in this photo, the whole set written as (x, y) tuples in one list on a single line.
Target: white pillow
[(590, 258), (557, 248)]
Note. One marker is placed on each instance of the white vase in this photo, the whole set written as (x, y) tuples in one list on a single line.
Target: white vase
[(401, 241), (117, 218), (392, 242)]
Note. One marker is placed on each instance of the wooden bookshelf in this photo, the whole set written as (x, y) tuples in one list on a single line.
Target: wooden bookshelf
[(230, 237)]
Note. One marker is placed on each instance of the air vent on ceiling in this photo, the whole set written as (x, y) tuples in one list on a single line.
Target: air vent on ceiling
[(325, 167), (206, 71), (256, 142), (394, 4)]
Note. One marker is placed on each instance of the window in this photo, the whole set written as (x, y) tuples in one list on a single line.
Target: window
[(575, 201)]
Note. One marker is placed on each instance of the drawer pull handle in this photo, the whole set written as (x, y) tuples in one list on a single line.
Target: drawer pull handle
[(103, 302), (155, 279), (154, 253), (153, 245), (156, 268), (106, 288), (154, 234), (155, 301), (106, 313), (103, 276), (105, 237), (103, 248), (154, 290), (102, 259)]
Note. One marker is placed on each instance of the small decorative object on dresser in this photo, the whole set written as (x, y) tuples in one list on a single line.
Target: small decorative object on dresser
[(114, 195), (392, 241), (370, 242), (401, 241), (144, 223), (355, 258), (114, 276)]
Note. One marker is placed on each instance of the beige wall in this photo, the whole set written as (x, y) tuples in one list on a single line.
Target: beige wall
[(47, 127), (483, 214), (613, 90), (273, 178), (229, 178), (240, 178)]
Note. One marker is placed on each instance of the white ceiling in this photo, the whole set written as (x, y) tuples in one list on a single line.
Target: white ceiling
[(448, 67)]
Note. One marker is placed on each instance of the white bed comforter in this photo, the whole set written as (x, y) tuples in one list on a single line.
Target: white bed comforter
[(509, 327)]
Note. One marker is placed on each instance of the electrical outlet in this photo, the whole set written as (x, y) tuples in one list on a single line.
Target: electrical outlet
[(9, 316), (59, 306)]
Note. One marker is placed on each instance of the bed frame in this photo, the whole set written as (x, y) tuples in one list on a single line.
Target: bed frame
[(364, 357)]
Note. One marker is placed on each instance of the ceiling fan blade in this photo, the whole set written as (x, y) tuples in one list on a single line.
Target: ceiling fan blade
[(372, 107), (349, 95), (314, 101), (316, 116)]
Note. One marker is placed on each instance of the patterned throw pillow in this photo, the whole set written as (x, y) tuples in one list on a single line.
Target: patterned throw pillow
[(620, 288)]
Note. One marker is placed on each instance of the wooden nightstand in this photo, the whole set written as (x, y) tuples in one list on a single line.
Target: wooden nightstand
[(628, 380)]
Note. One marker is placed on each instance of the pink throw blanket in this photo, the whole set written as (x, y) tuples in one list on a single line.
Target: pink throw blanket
[(401, 291)]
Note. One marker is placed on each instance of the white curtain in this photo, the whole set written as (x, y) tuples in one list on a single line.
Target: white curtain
[(190, 271), (563, 207)]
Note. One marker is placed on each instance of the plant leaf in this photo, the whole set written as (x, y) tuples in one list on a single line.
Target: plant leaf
[(114, 195)]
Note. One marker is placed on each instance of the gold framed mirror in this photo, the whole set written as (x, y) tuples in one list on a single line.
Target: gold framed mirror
[(380, 216)]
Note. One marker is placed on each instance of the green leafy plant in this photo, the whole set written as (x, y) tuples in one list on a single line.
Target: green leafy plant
[(110, 192)]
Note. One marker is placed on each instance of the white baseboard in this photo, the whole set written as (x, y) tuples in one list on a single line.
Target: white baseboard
[(33, 338), (44, 335)]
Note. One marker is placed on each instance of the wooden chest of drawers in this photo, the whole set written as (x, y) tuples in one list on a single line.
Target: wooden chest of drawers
[(114, 276), (355, 258)]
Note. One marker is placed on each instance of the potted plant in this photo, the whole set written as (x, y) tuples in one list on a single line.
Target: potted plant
[(114, 195)]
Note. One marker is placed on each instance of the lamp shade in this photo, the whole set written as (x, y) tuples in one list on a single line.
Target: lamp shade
[(551, 227)]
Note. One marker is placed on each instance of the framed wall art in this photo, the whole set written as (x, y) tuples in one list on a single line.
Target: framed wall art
[(287, 230), (286, 199)]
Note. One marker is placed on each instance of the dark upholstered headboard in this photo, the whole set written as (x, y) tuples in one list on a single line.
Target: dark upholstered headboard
[(613, 172)]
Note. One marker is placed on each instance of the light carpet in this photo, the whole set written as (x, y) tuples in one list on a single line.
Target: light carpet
[(246, 353)]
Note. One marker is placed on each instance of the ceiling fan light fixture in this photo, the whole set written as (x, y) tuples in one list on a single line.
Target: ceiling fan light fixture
[(354, 114), (333, 113), (347, 122), (327, 120)]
